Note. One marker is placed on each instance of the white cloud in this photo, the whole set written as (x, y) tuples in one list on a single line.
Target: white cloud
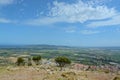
[(44, 21), (70, 29), (81, 11), (75, 12), (110, 22), (2, 20), (88, 32), (99, 2), (6, 2)]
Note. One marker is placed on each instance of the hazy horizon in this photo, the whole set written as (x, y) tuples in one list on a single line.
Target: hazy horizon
[(5, 45)]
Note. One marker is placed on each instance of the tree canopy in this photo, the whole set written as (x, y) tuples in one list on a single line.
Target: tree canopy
[(36, 59), (62, 61), (20, 61)]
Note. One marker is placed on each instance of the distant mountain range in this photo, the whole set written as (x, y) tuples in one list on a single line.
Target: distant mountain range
[(36, 46), (45, 46)]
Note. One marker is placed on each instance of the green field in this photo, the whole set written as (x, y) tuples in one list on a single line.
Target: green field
[(89, 56)]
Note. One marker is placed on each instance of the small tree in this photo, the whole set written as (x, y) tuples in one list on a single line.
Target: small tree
[(20, 61), (29, 62), (36, 59), (62, 61)]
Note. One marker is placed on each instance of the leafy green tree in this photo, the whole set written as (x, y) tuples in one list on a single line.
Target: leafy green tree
[(36, 59), (62, 61), (20, 61)]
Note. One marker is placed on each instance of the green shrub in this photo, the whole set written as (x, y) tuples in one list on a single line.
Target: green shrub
[(116, 78), (36, 59), (62, 61), (20, 61)]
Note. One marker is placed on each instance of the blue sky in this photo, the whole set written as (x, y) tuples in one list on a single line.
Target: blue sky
[(60, 22)]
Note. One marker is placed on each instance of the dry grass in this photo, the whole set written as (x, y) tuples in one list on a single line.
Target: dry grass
[(34, 73)]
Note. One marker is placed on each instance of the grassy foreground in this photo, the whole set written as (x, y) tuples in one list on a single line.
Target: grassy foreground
[(42, 73)]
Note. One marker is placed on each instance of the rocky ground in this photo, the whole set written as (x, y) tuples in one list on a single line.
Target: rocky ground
[(51, 73)]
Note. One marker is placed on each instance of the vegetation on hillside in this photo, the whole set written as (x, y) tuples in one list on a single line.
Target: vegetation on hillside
[(20, 61), (62, 61), (36, 59)]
